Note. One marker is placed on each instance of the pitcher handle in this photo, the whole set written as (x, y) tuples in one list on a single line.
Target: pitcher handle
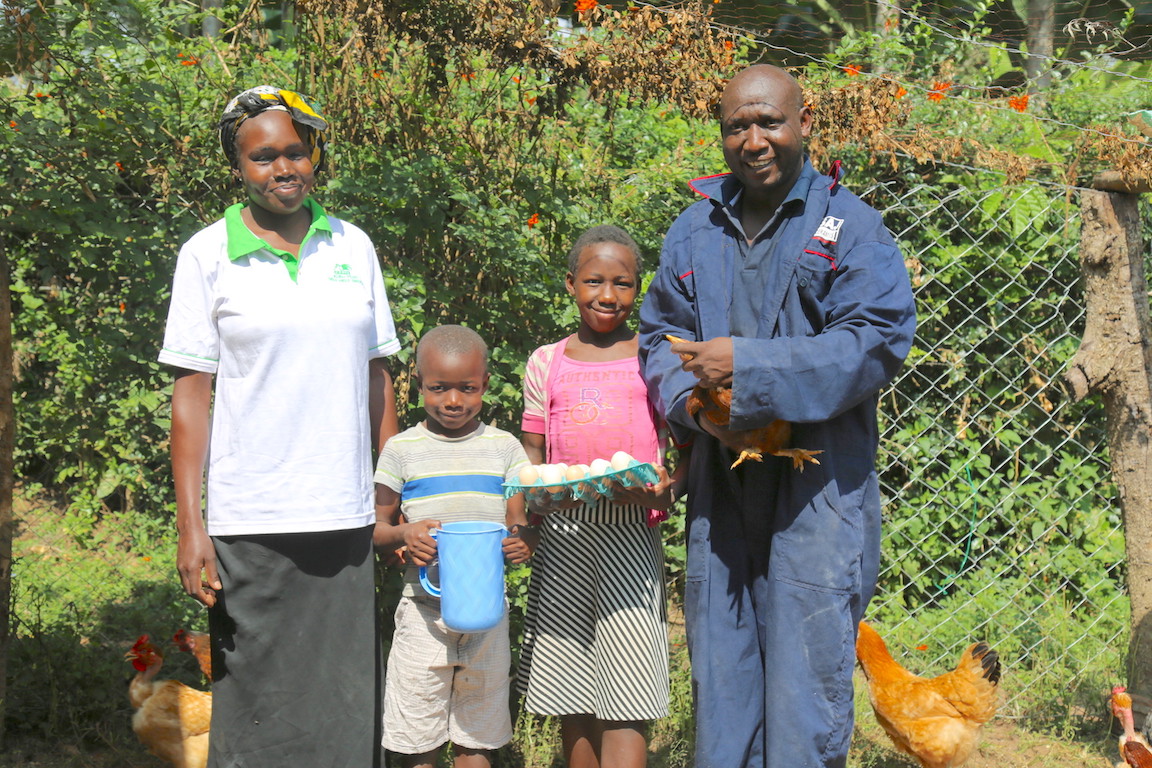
[(429, 587)]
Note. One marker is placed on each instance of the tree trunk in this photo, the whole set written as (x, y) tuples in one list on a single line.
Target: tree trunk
[(1041, 29), (7, 523), (211, 25), (887, 18), (887, 25), (1115, 360)]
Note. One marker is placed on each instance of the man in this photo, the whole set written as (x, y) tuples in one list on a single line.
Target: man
[(797, 298)]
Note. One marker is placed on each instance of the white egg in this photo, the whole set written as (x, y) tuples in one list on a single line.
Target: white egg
[(621, 460), (600, 467), (529, 475), (552, 475)]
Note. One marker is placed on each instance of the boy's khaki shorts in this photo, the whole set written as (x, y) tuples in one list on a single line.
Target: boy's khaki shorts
[(445, 686)]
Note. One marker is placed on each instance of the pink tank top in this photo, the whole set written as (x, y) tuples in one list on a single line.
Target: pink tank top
[(598, 408)]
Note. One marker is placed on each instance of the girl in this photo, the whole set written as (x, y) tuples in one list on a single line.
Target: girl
[(595, 639), (285, 307)]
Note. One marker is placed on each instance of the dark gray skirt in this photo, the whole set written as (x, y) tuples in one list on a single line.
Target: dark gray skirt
[(294, 652)]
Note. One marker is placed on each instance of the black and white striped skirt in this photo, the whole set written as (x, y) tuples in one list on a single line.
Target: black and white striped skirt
[(596, 629)]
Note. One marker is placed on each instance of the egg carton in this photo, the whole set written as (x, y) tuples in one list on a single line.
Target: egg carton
[(588, 489)]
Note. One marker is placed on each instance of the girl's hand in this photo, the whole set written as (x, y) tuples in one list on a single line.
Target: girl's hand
[(543, 503), (657, 495), (421, 546)]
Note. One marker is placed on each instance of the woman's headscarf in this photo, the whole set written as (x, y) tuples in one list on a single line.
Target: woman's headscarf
[(262, 98)]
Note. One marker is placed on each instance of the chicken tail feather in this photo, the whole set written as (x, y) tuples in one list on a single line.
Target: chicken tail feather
[(989, 661)]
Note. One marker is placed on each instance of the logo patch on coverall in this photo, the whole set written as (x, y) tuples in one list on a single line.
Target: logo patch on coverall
[(829, 230)]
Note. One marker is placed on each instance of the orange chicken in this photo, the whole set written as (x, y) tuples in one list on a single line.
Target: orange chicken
[(171, 718), (935, 720), (754, 443), (197, 644), (1134, 750)]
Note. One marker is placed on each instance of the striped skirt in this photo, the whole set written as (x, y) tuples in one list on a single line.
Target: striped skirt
[(596, 629)]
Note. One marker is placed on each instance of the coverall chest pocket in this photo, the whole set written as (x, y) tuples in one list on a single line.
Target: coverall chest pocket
[(816, 270)]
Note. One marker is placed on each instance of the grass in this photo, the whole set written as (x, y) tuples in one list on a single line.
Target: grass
[(85, 589)]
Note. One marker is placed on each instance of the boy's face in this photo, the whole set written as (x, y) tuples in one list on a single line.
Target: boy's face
[(453, 388)]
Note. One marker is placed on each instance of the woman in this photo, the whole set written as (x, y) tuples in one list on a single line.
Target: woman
[(285, 307)]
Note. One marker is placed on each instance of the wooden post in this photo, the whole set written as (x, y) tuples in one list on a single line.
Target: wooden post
[(1115, 360), (7, 441)]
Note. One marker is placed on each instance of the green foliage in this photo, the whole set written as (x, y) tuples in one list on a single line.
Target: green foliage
[(473, 174), (83, 593)]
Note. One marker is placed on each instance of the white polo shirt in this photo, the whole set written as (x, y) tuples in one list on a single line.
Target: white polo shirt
[(289, 343)]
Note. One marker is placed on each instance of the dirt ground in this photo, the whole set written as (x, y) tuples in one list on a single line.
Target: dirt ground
[(1003, 746)]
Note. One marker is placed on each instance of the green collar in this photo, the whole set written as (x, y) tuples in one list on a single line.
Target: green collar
[(242, 241)]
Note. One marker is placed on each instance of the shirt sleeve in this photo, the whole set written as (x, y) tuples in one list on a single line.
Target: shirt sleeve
[(390, 469), (385, 341), (535, 384), (191, 337), (668, 310)]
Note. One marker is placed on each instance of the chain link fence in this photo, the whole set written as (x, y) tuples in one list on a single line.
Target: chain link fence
[(1001, 522)]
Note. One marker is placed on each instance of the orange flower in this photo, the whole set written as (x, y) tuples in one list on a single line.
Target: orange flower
[(851, 70), (1018, 103), (42, 95), (921, 647), (533, 220), (377, 74), (468, 76), (11, 123), (939, 88), (901, 92), (531, 99), (191, 61), (700, 142), (515, 78), (181, 55), (583, 6), (727, 45), (119, 165)]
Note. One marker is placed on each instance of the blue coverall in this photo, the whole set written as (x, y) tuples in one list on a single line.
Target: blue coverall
[(781, 563)]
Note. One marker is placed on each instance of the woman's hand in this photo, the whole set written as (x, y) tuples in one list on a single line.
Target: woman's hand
[(196, 562)]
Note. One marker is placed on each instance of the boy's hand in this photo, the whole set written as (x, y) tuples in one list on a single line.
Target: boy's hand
[(421, 546), (519, 546), (655, 496)]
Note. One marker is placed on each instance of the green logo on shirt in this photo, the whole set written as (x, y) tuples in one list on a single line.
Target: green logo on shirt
[(342, 273)]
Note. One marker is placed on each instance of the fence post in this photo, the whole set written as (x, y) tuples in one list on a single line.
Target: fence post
[(1115, 360), (7, 440)]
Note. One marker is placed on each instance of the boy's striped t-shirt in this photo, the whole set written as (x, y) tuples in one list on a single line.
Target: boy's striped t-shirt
[(450, 478)]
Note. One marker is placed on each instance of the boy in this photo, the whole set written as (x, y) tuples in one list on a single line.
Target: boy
[(443, 685)]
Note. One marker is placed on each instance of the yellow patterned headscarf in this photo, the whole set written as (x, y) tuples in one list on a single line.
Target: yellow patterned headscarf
[(262, 98)]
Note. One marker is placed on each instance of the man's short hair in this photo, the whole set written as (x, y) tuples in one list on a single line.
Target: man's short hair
[(605, 233), (451, 340)]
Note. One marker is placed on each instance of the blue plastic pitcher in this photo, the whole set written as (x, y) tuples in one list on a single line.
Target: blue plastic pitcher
[(471, 588)]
